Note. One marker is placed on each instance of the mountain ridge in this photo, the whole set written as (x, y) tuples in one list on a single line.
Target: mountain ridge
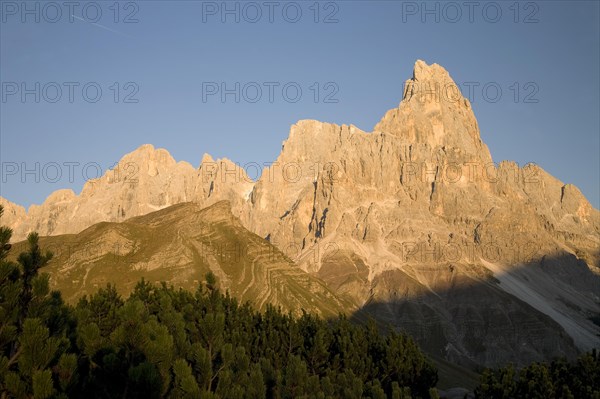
[(179, 245), (358, 209)]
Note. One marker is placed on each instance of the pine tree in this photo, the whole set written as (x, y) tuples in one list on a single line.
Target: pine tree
[(256, 388), (161, 342), (32, 334), (184, 383)]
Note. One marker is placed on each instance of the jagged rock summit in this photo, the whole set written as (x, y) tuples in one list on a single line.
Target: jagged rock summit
[(482, 263), (434, 112), (143, 181)]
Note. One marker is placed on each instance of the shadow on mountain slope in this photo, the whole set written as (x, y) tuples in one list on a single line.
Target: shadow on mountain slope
[(464, 315), (519, 315)]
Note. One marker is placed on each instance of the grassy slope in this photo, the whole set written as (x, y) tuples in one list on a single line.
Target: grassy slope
[(179, 245)]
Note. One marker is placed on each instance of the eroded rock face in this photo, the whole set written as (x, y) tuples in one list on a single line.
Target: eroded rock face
[(415, 223), (412, 221), (14, 215), (143, 181), (434, 112)]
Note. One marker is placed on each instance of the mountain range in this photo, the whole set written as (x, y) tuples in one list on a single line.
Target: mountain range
[(412, 224)]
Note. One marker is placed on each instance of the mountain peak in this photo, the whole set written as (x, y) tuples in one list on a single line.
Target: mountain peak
[(148, 151), (59, 196), (422, 71), (433, 84), (206, 159), (147, 160), (434, 112), (145, 148)]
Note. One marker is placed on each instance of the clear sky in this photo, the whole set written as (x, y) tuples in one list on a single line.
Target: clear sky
[(171, 55)]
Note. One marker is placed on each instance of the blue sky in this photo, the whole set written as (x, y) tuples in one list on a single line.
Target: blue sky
[(543, 55)]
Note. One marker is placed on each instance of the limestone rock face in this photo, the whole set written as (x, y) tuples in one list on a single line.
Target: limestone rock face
[(14, 215), (415, 223), (434, 112), (143, 181), (483, 263)]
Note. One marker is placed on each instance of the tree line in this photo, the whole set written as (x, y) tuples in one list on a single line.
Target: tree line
[(162, 342), (557, 379)]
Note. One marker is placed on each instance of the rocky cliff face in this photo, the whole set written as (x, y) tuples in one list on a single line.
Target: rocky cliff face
[(484, 263), (143, 181), (402, 219)]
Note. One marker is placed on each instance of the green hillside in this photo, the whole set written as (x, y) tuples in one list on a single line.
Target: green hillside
[(179, 245)]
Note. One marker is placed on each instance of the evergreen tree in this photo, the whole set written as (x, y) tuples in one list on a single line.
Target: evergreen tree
[(559, 379), (33, 325), (162, 342)]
